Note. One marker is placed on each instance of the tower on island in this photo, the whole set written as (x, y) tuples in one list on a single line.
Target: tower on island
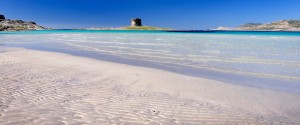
[(136, 22), (2, 17)]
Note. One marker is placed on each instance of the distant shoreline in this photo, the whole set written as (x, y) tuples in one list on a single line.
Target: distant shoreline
[(170, 31), (229, 31)]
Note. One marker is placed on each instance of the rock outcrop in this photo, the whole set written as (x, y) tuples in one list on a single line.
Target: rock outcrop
[(2, 17), (284, 25), (16, 25)]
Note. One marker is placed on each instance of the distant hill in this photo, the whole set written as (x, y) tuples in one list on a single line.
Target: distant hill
[(284, 25)]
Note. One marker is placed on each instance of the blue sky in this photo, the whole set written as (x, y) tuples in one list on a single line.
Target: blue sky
[(177, 14)]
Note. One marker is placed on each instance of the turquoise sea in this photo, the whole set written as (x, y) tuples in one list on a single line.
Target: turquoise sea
[(268, 60)]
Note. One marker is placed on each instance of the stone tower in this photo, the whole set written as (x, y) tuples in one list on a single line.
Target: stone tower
[(2, 17), (136, 22)]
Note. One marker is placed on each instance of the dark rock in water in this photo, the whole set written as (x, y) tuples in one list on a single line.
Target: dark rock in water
[(2, 17), (136, 22)]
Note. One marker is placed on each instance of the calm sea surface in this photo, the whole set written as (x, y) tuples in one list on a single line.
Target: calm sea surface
[(257, 59)]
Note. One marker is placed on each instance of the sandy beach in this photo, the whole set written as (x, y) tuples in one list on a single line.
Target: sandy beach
[(39, 87)]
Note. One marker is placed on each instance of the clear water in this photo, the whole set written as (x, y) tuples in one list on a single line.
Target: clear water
[(258, 59)]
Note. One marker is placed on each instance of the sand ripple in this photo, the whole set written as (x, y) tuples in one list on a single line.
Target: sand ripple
[(38, 93)]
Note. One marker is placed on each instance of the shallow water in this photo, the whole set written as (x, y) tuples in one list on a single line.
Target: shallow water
[(258, 59)]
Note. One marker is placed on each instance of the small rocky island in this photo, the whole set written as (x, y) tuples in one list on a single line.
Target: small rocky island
[(283, 25), (17, 25), (135, 24)]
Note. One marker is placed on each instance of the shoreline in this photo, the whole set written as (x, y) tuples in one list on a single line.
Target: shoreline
[(64, 72), (171, 31), (271, 83)]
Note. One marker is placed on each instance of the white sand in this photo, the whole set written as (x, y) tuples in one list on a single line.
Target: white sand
[(52, 88)]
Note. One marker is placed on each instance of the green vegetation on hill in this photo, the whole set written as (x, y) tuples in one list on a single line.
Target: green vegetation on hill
[(294, 23), (250, 24), (143, 28), (19, 27)]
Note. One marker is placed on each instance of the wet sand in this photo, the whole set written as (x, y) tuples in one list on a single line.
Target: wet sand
[(39, 87)]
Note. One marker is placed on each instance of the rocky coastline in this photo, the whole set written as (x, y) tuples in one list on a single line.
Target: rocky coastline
[(17, 25)]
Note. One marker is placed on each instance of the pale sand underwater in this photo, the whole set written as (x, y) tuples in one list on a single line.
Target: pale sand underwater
[(39, 87)]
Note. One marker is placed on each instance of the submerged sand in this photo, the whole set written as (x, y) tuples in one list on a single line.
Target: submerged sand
[(40, 87)]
